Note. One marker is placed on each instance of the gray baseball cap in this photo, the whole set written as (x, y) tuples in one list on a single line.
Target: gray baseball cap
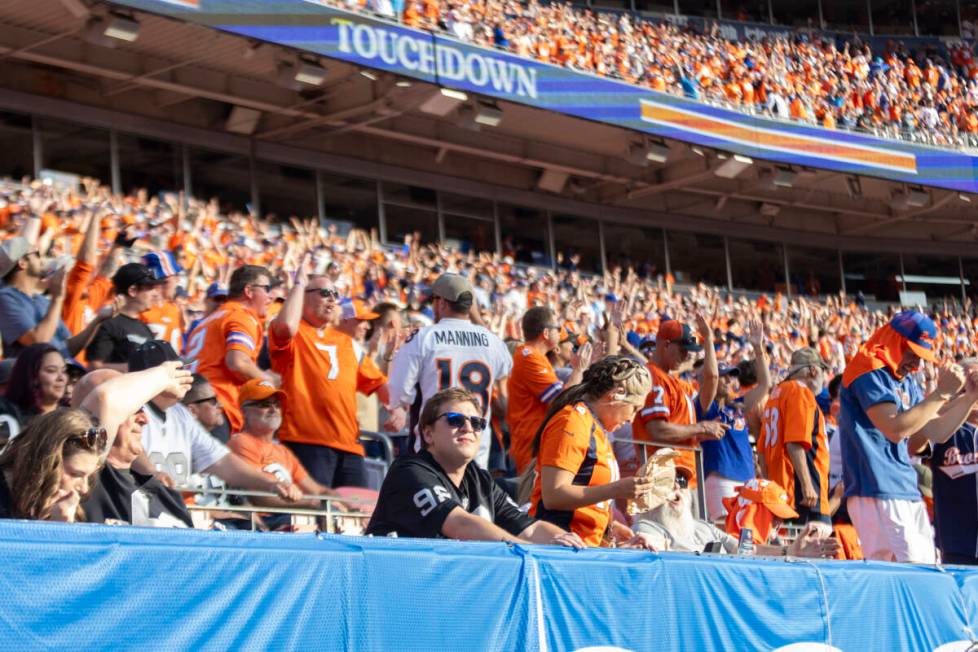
[(452, 287), (11, 251)]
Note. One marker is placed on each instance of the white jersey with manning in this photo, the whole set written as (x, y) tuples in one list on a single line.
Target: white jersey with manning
[(451, 353)]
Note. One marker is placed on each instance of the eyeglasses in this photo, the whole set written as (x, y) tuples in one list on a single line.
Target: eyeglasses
[(457, 420), (94, 438), (264, 405), (682, 481), (326, 293), (210, 400), (266, 287)]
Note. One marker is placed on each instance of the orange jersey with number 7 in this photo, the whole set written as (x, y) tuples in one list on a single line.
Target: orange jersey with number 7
[(671, 399), (322, 370)]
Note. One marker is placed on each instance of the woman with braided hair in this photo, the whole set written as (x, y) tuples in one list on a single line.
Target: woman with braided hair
[(577, 473)]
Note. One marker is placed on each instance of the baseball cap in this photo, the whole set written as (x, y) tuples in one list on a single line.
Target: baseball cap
[(215, 290), (806, 357), (728, 370), (647, 343), (132, 274), (673, 331), (151, 353), (11, 251), (919, 331), (770, 494), (355, 309), (452, 287), (162, 264), (258, 389)]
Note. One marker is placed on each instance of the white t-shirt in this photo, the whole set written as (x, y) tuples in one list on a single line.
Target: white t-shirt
[(179, 445), (451, 353)]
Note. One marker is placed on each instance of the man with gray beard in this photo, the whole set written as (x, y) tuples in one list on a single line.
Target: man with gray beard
[(673, 526)]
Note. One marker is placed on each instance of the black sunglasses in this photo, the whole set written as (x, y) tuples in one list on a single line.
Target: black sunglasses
[(682, 481), (264, 405), (212, 400), (326, 293), (267, 287), (95, 438), (457, 420)]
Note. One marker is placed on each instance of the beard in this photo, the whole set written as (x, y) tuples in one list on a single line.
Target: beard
[(268, 423), (678, 521)]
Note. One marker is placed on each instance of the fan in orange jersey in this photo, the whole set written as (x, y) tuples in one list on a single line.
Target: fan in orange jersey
[(669, 416), (224, 347), (165, 318), (577, 477), (533, 383), (793, 444), (322, 368)]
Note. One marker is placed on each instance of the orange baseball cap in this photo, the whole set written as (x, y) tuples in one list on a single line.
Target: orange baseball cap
[(770, 494), (258, 389), (673, 331), (355, 309)]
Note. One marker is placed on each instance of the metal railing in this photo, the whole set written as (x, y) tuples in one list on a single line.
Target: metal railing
[(697, 453), (326, 517)]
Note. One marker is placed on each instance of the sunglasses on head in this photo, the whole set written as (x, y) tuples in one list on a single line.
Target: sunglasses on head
[(457, 420), (326, 293), (95, 438), (682, 481)]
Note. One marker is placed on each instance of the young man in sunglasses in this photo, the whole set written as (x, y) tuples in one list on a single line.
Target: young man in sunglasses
[(224, 347), (322, 368), (440, 493)]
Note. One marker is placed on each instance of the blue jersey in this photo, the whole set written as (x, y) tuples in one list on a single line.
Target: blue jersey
[(872, 465), (955, 468), (731, 456)]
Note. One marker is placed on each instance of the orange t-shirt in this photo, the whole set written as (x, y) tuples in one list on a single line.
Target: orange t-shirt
[(233, 327), (792, 416), (269, 457), (322, 370), (574, 441), (671, 399), (532, 385), (166, 323)]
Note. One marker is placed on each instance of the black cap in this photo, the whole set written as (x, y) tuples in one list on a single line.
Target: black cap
[(132, 274), (151, 354)]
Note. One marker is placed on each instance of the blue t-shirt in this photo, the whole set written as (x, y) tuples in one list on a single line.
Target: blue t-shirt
[(954, 465), (20, 313), (872, 465), (730, 456)]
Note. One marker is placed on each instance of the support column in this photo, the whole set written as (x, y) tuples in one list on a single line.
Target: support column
[(114, 162)]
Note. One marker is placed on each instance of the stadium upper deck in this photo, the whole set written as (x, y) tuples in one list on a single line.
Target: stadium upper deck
[(186, 106)]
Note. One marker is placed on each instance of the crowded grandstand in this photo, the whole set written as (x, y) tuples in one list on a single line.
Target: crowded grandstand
[(249, 288)]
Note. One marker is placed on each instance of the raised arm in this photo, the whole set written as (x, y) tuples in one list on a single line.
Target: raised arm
[(897, 426), (710, 373), (286, 323), (758, 394), (120, 397)]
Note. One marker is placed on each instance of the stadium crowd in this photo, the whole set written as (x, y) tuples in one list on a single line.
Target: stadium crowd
[(152, 345), (923, 94)]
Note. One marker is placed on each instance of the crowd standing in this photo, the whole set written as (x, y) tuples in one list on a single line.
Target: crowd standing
[(157, 347), (923, 93)]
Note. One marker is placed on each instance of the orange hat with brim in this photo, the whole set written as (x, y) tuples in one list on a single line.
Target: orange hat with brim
[(258, 389), (771, 495)]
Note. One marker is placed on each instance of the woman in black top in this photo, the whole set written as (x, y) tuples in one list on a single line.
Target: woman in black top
[(47, 470), (37, 386)]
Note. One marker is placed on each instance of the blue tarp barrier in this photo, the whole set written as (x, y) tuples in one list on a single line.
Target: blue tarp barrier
[(71, 587)]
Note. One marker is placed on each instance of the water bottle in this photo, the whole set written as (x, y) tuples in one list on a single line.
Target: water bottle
[(745, 546)]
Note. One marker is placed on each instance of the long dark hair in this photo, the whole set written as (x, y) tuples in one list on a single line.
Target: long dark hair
[(23, 389), (599, 379), (34, 459)]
